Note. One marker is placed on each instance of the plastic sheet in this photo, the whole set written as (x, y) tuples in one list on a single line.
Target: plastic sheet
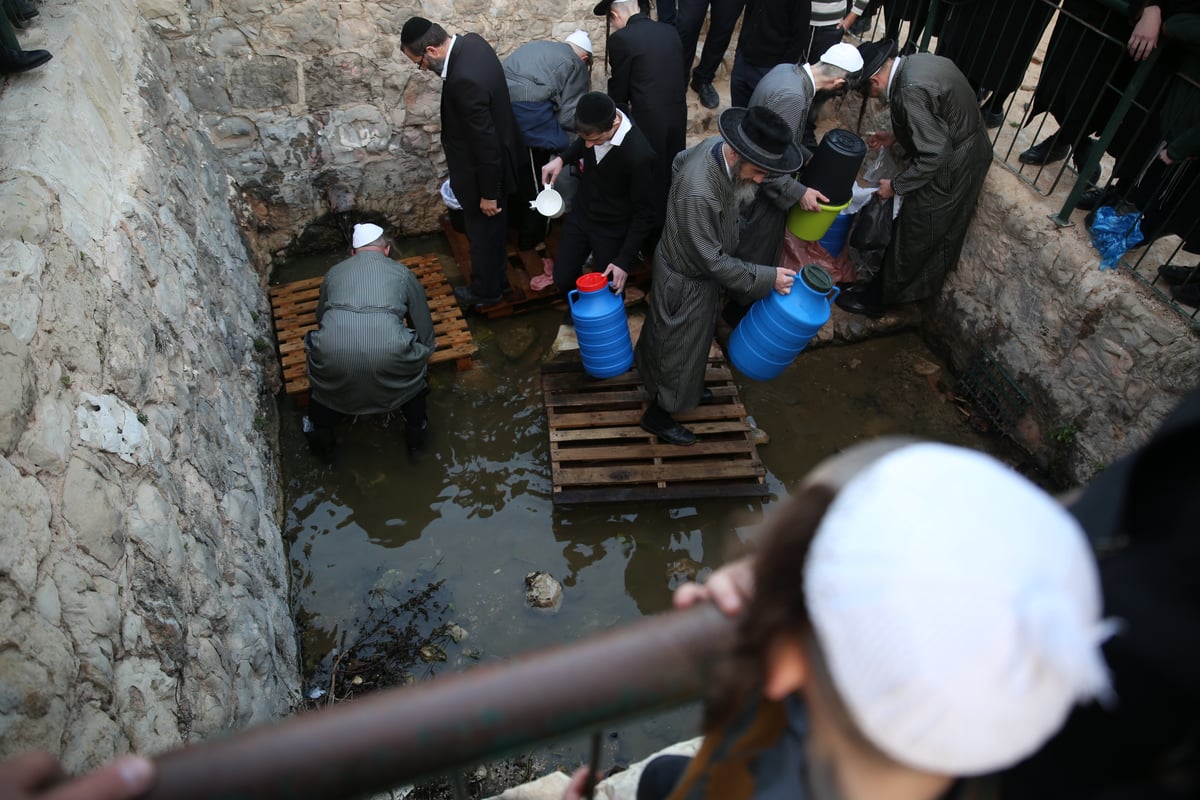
[(1114, 234)]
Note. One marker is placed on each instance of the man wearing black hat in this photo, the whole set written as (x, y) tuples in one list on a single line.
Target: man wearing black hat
[(646, 81), (613, 209), (936, 120), (482, 144), (693, 261)]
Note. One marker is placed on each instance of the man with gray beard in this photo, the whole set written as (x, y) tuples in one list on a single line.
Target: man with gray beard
[(693, 261)]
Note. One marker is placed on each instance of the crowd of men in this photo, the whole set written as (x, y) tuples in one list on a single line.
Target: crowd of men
[(713, 216)]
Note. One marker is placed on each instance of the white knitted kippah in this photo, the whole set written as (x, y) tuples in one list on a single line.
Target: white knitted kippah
[(958, 608), (365, 233), (581, 40)]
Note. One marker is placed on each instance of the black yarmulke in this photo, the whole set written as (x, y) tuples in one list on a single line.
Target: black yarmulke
[(414, 29), (595, 110)]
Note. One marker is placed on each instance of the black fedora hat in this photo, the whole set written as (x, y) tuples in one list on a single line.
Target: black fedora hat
[(874, 55), (762, 137)]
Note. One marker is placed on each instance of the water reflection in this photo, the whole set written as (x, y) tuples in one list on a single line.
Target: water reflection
[(475, 509)]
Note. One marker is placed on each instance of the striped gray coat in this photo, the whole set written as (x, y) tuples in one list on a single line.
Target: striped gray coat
[(692, 264), (936, 120), (364, 359), (788, 91)]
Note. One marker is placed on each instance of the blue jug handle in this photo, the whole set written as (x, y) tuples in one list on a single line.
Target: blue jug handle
[(572, 296), (836, 291)]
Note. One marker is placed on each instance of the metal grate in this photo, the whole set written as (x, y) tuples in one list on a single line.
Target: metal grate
[(987, 385)]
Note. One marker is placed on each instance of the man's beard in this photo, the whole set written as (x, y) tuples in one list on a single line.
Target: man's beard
[(435, 65), (744, 192), (744, 189)]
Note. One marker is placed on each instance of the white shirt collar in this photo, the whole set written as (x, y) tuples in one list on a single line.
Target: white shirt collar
[(808, 71), (895, 68), (623, 128), (446, 63)]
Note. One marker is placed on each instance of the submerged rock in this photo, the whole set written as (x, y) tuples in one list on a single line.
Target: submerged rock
[(431, 652), (516, 342), (542, 591)]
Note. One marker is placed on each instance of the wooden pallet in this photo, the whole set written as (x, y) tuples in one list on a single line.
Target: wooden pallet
[(294, 307), (521, 297), (598, 452)]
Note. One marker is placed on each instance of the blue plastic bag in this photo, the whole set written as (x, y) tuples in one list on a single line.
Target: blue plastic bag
[(1113, 234)]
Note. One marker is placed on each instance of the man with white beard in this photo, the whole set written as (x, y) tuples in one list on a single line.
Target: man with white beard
[(693, 261)]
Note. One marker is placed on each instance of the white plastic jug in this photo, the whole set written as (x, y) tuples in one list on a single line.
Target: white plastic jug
[(548, 203)]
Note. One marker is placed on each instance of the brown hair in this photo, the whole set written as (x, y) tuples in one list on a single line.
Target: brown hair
[(778, 605)]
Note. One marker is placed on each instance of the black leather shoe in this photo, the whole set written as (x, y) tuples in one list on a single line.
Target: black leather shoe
[(1046, 151), (857, 302), (22, 9), (1175, 275), (13, 61), (1189, 295), (468, 298), (708, 94), (1094, 198), (992, 119), (662, 425)]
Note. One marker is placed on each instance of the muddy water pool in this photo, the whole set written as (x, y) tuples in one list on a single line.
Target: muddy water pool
[(393, 553)]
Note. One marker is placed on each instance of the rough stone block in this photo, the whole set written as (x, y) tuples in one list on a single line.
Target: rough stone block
[(94, 508), (16, 390), (25, 520), (20, 286), (337, 80), (263, 82)]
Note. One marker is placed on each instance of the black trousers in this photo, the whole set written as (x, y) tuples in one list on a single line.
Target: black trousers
[(489, 248), (580, 236), (689, 20), (660, 777)]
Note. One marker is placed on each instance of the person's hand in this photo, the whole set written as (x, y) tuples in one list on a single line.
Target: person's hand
[(551, 170), (812, 199), (1145, 34), (490, 208), (578, 786), (36, 774), (881, 139), (616, 276), (847, 21), (730, 587), (784, 278), (885, 189), (1164, 157)]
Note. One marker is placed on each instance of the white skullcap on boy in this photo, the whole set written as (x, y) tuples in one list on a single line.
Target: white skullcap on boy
[(581, 40), (845, 56), (365, 233), (958, 609)]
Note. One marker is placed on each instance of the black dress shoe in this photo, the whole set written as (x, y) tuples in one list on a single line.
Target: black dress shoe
[(992, 119), (22, 9), (12, 61), (1188, 294), (1046, 151), (1175, 275), (1094, 198), (708, 94), (662, 425), (857, 301), (468, 298)]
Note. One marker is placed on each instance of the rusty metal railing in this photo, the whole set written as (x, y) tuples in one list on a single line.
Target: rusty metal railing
[(388, 738)]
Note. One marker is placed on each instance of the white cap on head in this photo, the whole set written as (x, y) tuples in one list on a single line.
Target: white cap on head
[(581, 40), (845, 56), (958, 609), (365, 233)]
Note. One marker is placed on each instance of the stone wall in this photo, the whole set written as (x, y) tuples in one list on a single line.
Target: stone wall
[(142, 576), (305, 95), (1102, 359)]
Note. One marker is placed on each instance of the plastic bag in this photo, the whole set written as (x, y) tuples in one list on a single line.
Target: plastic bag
[(885, 167), (871, 235), (1113, 234)]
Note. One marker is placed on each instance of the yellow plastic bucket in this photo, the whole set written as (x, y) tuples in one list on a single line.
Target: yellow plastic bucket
[(810, 226)]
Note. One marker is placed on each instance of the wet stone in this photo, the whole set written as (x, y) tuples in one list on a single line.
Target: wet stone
[(516, 343), (542, 590)]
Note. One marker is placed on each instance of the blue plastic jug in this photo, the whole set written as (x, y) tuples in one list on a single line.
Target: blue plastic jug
[(779, 326), (834, 240), (600, 327)]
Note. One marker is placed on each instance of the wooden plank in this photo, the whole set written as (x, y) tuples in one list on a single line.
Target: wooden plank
[(599, 453), (294, 308)]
